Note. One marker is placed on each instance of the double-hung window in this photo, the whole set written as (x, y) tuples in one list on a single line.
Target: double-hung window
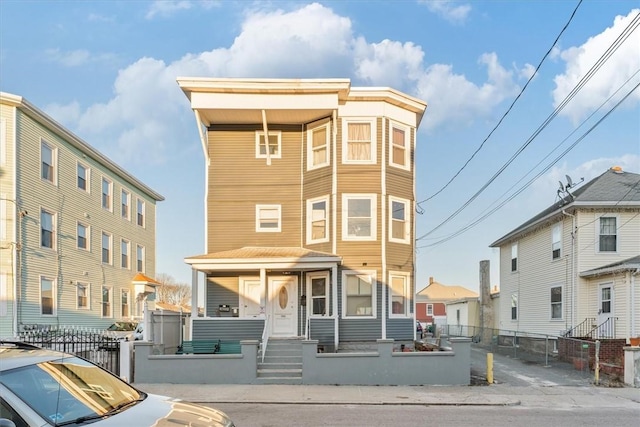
[(47, 296), (318, 291), (399, 221), (107, 301), (47, 229), (359, 216), (358, 141), (83, 177), (82, 236), (317, 220), (82, 295), (107, 194), (125, 254), (400, 294), (140, 259), (268, 218), (274, 150), (106, 248), (318, 147), (429, 309), (556, 302), (514, 306), (125, 204), (48, 159), (359, 294), (124, 303), (608, 237), (514, 257), (556, 241), (399, 152), (140, 213)]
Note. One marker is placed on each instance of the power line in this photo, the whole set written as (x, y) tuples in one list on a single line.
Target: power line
[(508, 109), (583, 81)]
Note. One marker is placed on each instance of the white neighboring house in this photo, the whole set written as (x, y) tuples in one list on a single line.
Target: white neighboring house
[(75, 228), (573, 268)]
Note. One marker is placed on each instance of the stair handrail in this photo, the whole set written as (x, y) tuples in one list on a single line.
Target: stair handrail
[(585, 326), (265, 336), (606, 329)]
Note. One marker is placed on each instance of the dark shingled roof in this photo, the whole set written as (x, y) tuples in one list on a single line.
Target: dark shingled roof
[(612, 188)]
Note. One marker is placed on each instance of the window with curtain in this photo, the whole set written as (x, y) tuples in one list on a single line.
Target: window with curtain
[(556, 302), (399, 147), (359, 144), (608, 234), (318, 146)]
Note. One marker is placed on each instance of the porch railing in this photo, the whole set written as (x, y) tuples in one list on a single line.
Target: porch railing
[(582, 329), (589, 329), (265, 337)]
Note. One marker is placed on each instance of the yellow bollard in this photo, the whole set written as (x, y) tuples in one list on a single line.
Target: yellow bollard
[(490, 368)]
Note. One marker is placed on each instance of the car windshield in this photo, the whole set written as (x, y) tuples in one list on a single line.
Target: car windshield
[(122, 326), (61, 391)]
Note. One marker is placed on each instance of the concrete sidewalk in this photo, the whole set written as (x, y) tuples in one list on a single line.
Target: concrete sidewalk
[(493, 395)]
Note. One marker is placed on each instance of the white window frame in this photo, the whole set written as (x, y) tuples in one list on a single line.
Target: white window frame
[(310, 298), (260, 209), (110, 248), (429, 309), (87, 177), (552, 303), (106, 199), (345, 140), (373, 217), (124, 292), (109, 290), (141, 215), (125, 202), (53, 230), (87, 237), (311, 149), (514, 304), (371, 275), (140, 264), (310, 220), (54, 292), (54, 162), (407, 220), (617, 234), (514, 255), (556, 241), (260, 141), (87, 288), (125, 244), (407, 146), (406, 293)]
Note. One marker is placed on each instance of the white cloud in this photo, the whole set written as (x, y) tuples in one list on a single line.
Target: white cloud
[(527, 71), (166, 8), (617, 69), (76, 58), (447, 10), (148, 114)]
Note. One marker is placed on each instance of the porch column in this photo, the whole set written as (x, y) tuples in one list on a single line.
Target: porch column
[(334, 303), (194, 301), (263, 293)]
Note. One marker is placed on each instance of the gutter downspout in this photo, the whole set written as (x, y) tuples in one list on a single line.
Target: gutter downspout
[(265, 128), (632, 314), (383, 228), (334, 232), (573, 274)]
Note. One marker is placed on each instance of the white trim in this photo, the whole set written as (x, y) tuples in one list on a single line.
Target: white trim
[(104, 234), (128, 292), (128, 198), (345, 138), (407, 220), (128, 245), (556, 231), (54, 161), (141, 202), (109, 194), (259, 218), (54, 229), (4, 141), (242, 281), (309, 279), (597, 233), (87, 177), (110, 293), (406, 294), (309, 222), (429, 306), (551, 303), (54, 293), (407, 145), (87, 285), (373, 198), (87, 229), (514, 248), (369, 275), (259, 136), (310, 148), (142, 270)]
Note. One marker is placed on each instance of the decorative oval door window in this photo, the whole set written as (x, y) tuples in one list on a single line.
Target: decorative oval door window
[(283, 297)]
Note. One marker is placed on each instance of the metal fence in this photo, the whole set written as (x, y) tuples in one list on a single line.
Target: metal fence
[(96, 346)]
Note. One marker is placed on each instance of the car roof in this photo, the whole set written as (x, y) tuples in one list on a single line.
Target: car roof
[(17, 356)]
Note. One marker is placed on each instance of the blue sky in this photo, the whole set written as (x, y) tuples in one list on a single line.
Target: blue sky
[(107, 71)]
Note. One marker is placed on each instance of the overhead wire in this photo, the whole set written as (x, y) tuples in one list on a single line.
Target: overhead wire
[(506, 113), (583, 81)]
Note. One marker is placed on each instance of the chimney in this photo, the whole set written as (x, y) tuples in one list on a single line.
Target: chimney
[(430, 279)]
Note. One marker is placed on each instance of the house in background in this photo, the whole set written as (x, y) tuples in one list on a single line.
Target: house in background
[(431, 301), (75, 228), (310, 194), (573, 268)]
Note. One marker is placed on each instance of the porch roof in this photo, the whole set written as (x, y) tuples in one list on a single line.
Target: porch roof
[(629, 264), (257, 257)]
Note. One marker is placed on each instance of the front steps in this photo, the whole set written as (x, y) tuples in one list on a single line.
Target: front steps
[(282, 362)]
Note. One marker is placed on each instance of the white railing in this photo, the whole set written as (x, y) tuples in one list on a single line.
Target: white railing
[(265, 336)]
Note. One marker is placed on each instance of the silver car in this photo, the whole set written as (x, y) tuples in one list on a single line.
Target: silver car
[(40, 387)]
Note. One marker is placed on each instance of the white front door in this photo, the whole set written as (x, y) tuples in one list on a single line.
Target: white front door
[(251, 298), (605, 309), (283, 302)]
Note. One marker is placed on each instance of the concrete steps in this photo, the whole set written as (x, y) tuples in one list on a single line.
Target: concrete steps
[(282, 362)]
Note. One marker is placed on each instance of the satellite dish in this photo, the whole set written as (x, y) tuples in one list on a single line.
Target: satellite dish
[(561, 187), (569, 182)]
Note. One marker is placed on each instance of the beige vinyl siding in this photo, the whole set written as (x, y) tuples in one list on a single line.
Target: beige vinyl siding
[(67, 264), (8, 218), (621, 303), (238, 181)]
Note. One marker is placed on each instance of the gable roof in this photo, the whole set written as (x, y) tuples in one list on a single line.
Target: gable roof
[(612, 188), (629, 264), (438, 292)]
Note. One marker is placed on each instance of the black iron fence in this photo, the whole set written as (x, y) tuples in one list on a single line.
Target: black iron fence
[(96, 346)]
